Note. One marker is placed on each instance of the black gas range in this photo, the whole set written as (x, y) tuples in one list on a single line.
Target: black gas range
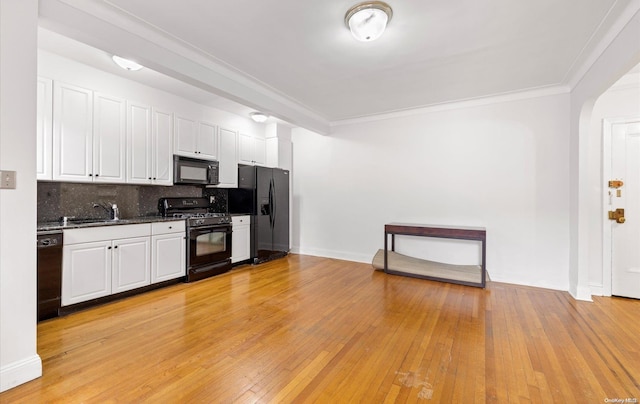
[(208, 235)]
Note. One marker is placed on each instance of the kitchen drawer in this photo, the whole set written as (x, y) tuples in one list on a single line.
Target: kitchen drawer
[(176, 226), (103, 233), (240, 220)]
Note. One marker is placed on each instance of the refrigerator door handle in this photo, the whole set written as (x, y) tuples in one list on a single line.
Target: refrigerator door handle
[(271, 203), (274, 205)]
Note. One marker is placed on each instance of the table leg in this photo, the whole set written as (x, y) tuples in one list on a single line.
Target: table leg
[(385, 251)]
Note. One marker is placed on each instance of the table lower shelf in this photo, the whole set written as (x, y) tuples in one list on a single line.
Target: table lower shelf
[(404, 265)]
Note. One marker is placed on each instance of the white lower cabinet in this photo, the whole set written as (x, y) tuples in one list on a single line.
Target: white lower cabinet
[(241, 238), (131, 264), (168, 245), (86, 271), (100, 261)]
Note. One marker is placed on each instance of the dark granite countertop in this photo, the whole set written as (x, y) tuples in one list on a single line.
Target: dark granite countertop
[(77, 224)]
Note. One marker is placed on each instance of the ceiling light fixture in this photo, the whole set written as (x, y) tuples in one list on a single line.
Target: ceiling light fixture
[(126, 63), (258, 117), (367, 21)]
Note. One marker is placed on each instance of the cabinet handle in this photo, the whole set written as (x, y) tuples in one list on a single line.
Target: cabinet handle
[(97, 175), (90, 175), (154, 178), (170, 227), (108, 248), (115, 247), (149, 177)]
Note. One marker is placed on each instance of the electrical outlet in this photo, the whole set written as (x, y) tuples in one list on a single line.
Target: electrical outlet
[(7, 180), (212, 199)]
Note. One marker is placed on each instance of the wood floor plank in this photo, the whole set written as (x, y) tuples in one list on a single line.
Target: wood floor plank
[(310, 329)]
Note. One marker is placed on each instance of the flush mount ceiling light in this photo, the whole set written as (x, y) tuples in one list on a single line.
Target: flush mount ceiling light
[(126, 63), (258, 116), (368, 20)]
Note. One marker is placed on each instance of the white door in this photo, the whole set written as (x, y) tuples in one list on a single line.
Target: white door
[(228, 153), (241, 239), (162, 146), (86, 271), (625, 237), (131, 264), (72, 133), (139, 144), (245, 149), (186, 137), (208, 141), (109, 137), (168, 257)]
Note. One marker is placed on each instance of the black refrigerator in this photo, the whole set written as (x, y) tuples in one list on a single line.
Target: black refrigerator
[(263, 193)]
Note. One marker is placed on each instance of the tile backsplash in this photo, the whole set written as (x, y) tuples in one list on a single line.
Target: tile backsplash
[(57, 199)]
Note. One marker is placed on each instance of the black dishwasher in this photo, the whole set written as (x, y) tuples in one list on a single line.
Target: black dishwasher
[(49, 274)]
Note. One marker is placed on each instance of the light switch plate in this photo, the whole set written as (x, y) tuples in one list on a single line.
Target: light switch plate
[(7, 180)]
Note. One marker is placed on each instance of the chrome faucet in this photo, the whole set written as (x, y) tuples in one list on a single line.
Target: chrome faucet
[(111, 209)]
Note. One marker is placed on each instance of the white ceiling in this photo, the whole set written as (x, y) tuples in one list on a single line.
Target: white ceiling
[(296, 59)]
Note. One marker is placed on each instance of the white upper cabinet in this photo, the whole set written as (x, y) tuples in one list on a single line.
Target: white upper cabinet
[(149, 139), (162, 147), (185, 137), (88, 135), (251, 150), (44, 131), (195, 138), (72, 133), (207, 141), (109, 138), (139, 143), (228, 158)]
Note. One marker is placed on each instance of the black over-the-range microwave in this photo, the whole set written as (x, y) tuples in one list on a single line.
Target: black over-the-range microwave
[(187, 170)]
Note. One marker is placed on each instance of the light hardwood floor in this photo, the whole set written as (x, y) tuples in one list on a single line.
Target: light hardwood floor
[(308, 329)]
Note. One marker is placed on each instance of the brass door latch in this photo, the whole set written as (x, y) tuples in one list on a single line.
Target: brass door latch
[(617, 215), (615, 184)]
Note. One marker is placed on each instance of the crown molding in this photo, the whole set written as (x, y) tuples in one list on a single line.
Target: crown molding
[(459, 104)]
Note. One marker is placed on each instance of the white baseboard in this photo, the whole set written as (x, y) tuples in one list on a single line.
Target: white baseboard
[(581, 293), (20, 372), (340, 255)]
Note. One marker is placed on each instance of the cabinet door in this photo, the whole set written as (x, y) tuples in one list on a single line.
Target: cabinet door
[(260, 151), (168, 259), (86, 271), (252, 150), (72, 133), (109, 139), (139, 143), (245, 148), (131, 266), (241, 242), (44, 125), (186, 137), (207, 141), (162, 148), (228, 158)]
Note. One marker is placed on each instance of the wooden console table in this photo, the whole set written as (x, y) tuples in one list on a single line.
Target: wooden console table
[(461, 274)]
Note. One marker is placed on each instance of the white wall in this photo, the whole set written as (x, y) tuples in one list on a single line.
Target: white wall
[(502, 166), (620, 101), (19, 361)]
